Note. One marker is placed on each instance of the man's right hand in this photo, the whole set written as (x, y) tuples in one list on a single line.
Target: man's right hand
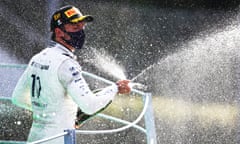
[(123, 87)]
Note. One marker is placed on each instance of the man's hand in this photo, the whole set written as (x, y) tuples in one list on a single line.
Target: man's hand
[(123, 87)]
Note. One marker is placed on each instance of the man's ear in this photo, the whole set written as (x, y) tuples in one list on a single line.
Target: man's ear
[(58, 32)]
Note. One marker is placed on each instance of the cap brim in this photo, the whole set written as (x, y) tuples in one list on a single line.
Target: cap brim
[(85, 18)]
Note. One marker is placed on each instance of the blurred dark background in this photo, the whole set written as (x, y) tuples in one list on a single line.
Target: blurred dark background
[(137, 33)]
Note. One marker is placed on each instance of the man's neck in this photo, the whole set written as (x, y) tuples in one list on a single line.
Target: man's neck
[(62, 42)]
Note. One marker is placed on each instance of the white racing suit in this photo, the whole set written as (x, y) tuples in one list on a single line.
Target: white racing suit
[(52, 87)]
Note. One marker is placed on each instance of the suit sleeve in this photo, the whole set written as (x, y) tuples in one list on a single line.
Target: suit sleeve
[(21, 94), (70, 76)]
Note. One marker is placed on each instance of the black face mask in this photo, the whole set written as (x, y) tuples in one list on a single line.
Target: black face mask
[(77, 39)]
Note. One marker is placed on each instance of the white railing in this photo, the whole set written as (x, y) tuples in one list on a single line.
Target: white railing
[(147, 112)]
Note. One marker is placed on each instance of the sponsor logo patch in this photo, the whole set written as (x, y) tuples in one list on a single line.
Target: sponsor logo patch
[(57, 16), (75, 73), (70, 12)]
